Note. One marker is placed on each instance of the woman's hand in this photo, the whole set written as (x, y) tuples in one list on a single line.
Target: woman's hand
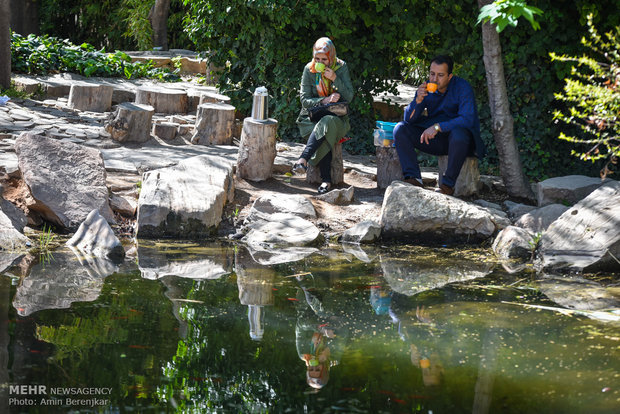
[(334, 97), (330, 74)]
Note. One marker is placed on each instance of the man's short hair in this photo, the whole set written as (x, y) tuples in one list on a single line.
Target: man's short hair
[(441, 59)]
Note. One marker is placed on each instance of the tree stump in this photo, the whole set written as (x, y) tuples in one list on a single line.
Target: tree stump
[(90, 97), (257, 149), (313, 175), (131, 123), (468, 182), (166, 130), (388, 166), (212, 97), (214, 124), (165, 101)]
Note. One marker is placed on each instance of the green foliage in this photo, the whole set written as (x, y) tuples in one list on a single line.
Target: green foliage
[(139, 27), (593, 96), (507, 12), (110, 24), (268, 42), (44, 54)]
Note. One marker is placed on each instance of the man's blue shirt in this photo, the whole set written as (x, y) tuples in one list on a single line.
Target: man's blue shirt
[(452, 109)]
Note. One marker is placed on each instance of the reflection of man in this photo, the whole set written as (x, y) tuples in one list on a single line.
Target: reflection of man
[(319, 335), (443, 122)]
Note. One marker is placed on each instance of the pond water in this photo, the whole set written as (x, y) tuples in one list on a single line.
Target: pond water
[(218, 328)]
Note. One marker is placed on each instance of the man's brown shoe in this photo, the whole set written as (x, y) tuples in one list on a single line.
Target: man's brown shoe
[(414, 181), (444, 189)]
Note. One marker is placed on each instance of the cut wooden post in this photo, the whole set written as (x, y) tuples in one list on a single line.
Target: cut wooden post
[(166, 130), (468, 182), (388, 166), (212, 97), (131, 123), (214, 124), (257, 149), (164, 101), (313, 175), (90, 97)]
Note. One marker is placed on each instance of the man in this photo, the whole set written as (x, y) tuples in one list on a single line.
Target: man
[(441, 123)]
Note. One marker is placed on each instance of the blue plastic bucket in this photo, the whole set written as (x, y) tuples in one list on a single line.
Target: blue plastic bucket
[(386, 126)]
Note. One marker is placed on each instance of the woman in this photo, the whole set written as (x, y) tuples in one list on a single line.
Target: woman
[(324, 80)]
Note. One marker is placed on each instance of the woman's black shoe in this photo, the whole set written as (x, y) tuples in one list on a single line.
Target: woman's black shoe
[(324, 187)]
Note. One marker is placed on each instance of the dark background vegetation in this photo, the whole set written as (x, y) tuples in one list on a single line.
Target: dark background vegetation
[(267, 42)]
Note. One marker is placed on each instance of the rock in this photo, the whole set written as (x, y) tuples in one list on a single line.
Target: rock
[(513, 242), (578, 293), (96, 237), (57, 283), (566, 190), (124, 204), (365, 232), (537, 221), (282, 229), (410, 212), (410, 277), (488, 204), (16, 215), (156, 263), (66, 180), (357, 251), (186, 200), (267, 205), (586, 236), (516, 210), (11, 239), (338, 196)]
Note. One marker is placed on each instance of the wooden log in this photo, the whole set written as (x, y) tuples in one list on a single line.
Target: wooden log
[(131, 123), (165, 101), (257, 149), (313, 175), (214, 124), (90, 97), (212, 97), (468, 182), (388, 166), (166, 130)]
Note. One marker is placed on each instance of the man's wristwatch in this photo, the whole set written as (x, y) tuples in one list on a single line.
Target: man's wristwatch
[(436, 126)]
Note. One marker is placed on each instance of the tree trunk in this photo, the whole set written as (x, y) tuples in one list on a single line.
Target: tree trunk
[(25, 16), (503, 123), (159, 21), (5, 45)]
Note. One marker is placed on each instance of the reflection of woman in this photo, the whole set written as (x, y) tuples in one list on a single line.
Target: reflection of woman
[(324, 80)]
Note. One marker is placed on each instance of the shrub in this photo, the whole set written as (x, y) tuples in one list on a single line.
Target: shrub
[(593, 93)]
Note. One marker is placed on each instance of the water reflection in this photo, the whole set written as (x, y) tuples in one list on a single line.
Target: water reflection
[(61, 280), (392, 330)]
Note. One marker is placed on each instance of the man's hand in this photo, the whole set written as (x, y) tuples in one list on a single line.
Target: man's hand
[(428, 134), (422, 92)]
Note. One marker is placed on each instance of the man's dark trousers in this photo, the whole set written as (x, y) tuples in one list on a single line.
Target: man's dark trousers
[(457, 144)]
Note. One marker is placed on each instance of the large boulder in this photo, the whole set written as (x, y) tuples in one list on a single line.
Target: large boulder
[(66, 180), (586, 237), (566, 190), (413, 213), (578, 293), (186, 200), (537, 221), (96, 237)]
